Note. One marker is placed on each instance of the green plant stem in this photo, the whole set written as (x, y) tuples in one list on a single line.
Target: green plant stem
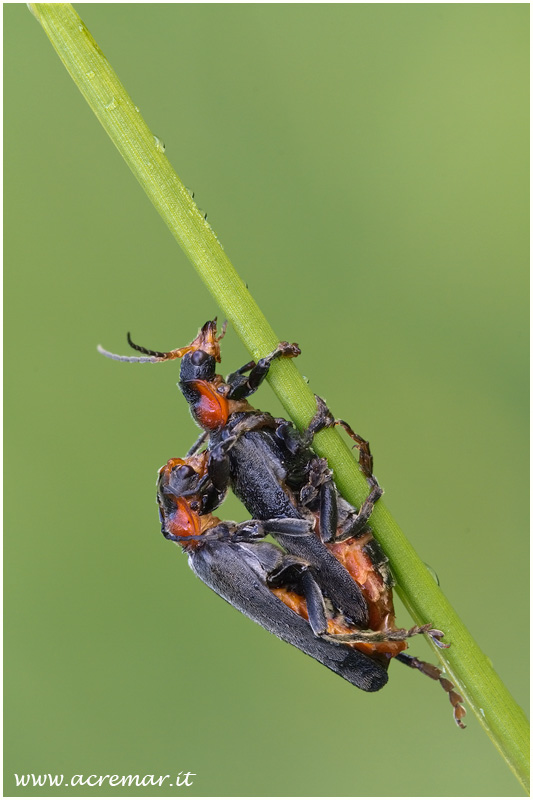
[(494, 707)]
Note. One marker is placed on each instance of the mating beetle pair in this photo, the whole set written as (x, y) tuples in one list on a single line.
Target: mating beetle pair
[(328, 591)]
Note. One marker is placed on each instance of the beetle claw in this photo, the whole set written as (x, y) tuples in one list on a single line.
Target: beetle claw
[(435, 636)]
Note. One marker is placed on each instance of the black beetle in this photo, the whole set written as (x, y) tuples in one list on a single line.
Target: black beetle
[(273, 470), (276, 589)]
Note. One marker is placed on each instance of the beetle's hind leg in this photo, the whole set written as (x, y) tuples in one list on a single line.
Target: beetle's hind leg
[(435, 673), (395, 635)]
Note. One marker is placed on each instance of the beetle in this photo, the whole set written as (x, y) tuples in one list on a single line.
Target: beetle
[(274, 588), (273, 470)]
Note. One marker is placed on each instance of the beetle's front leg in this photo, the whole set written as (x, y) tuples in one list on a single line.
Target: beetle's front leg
[(242, 386)]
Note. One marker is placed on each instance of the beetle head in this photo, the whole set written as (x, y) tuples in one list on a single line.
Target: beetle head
[(181, 500)]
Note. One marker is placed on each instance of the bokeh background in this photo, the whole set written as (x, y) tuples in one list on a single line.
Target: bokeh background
[(366, 168)]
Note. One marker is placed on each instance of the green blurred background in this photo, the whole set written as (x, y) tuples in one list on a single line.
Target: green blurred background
[(366, 168)]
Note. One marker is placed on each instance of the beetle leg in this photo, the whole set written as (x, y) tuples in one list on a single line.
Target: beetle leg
[(328, 512), (314, 599), (435, 673), (257, 529), (211, 496), (366, 461), (324, 419), (234, 376), (397, 635), (288, 526), (252, 422), (356, 522), (198, 443), (249, 532), (293, 571), (242, 386), (218, 465)]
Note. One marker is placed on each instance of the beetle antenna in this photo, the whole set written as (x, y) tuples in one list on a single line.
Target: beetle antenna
[(129, 359), (156, 353), (150, 356)]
